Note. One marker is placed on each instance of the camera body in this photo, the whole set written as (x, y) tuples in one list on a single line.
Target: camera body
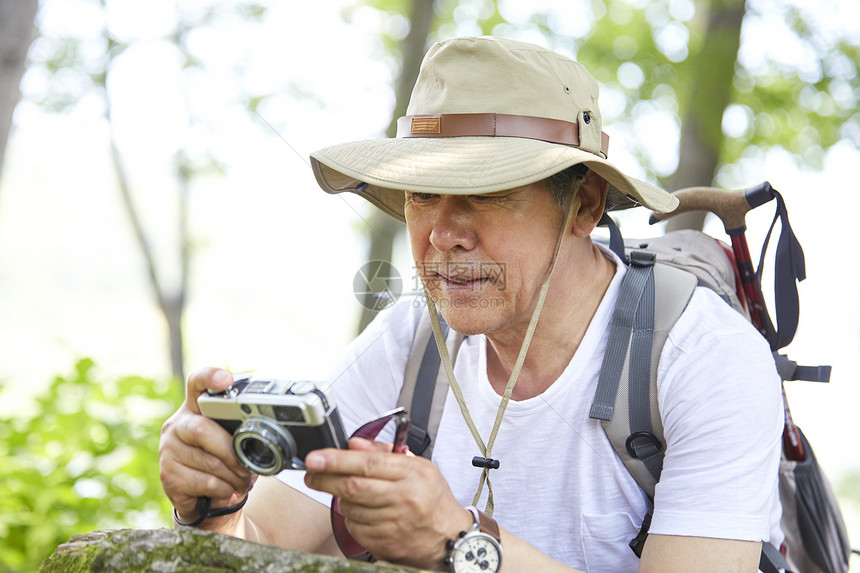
[(274, 423)]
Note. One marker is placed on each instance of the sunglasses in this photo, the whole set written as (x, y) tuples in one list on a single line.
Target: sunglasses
[(349, 546)]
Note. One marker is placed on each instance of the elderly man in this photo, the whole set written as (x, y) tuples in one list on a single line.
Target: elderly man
[(500, 170)]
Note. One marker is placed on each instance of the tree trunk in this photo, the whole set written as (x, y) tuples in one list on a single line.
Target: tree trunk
[(384, 229), (171, 299), (16, 33), (171, 304), (711, 89)]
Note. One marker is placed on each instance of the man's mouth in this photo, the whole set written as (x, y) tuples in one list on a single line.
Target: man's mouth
[(463, 283)]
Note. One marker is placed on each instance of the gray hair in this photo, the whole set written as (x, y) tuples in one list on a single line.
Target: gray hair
[(559, 183)]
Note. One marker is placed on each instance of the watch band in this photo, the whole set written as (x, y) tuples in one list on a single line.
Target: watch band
[(485, 523)]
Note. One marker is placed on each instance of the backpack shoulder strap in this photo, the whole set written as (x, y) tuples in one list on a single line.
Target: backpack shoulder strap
[(651, 300), (425, 385)]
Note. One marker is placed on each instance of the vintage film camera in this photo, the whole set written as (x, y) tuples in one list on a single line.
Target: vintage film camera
[(274, 423)]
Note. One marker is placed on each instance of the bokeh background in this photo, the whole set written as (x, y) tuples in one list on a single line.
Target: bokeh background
[(157, 211)]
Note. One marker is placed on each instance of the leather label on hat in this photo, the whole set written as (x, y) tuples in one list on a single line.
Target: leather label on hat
[(426, 125)]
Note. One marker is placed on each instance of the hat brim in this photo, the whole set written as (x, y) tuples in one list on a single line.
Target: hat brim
[(380, 170)]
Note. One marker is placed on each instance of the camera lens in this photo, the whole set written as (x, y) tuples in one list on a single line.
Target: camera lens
[(258, 452), (262, 447)]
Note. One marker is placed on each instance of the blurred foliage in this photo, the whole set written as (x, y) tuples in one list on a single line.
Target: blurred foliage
[(85, 460), (71, 66), (804, 107), (483, 15), (645, 51), (623, 53)]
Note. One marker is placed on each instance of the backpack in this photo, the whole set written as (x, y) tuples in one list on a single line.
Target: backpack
[(662, 274)]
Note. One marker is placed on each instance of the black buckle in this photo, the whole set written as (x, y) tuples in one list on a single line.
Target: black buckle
[(418, 440), (638, 542), (642, 445), (643, 258)]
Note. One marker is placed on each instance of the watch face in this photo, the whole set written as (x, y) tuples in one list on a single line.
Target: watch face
[(476, 553)]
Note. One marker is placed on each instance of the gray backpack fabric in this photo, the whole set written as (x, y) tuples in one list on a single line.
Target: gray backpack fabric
[(699, 254), (426, 385), (654, 293)]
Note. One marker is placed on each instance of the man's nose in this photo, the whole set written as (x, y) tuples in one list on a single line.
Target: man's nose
[(453, 225)]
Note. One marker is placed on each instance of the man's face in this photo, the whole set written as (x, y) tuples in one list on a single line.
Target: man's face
[(483, 258)]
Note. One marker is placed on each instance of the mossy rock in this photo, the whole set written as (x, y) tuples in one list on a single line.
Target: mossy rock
[(185, 550)]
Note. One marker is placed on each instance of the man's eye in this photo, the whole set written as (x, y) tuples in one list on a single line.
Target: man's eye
[(422, 197), (487, 199)]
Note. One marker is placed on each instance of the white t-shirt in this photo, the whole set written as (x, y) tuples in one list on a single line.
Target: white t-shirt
[(560, 486)]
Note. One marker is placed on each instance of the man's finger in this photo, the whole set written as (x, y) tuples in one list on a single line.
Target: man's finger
[(195, 484), (215, 379), (367, 514), (368, 492), (205, 462), (373, 464), (363, 445), (207, 435)]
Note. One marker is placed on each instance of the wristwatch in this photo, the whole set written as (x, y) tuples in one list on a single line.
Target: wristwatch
[(477, 550)]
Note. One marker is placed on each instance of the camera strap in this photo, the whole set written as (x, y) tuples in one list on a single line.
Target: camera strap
[(204, 512)]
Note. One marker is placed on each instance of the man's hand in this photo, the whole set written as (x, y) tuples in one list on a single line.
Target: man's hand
[(398, 507), (196, 454)]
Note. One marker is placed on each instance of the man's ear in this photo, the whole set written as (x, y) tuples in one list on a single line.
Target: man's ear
[(590, 203)]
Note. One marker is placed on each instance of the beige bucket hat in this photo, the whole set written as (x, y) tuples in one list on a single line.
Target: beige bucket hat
[(486, 114)]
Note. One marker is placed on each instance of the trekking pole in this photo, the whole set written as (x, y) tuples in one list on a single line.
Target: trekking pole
[(731, 208)]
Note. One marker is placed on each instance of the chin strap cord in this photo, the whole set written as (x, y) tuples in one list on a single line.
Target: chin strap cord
[(486, 449)]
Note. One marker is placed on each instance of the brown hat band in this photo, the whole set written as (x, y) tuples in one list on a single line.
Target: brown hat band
[(494, 124)]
